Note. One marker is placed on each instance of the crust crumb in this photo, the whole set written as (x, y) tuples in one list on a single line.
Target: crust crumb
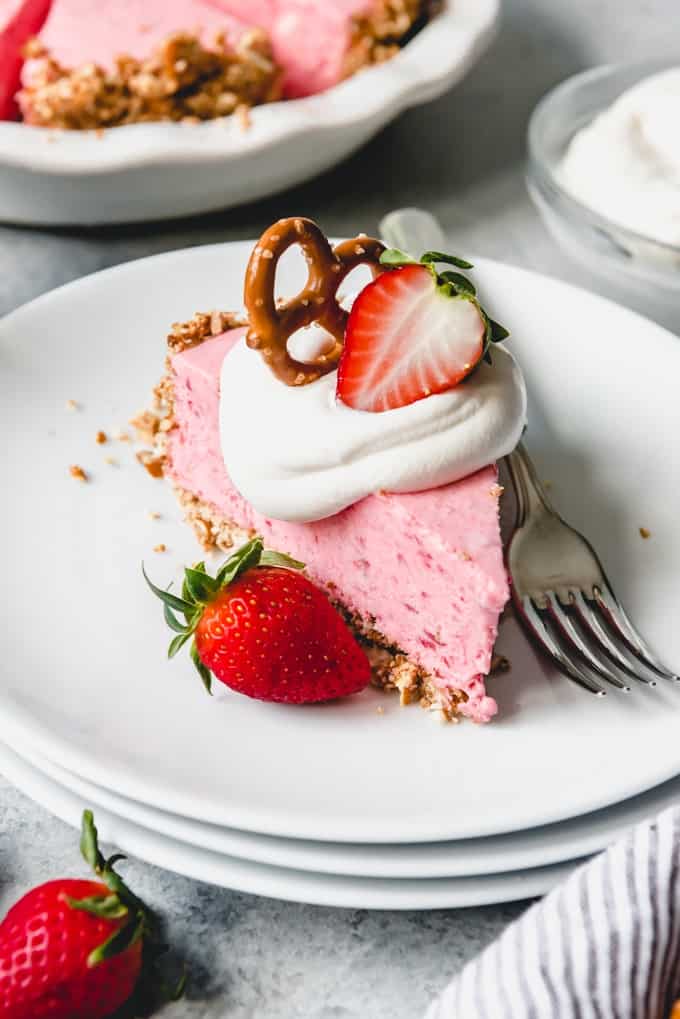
[(153, 515), (160, 547), (100, 438), (145, 424), (151, 462), (72, 405), (77, 472), (644, 533), (201, 327)]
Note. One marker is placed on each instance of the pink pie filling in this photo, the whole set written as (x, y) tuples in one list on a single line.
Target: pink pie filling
[(19, 20), (427, 567), (81, 32), (310, 38)]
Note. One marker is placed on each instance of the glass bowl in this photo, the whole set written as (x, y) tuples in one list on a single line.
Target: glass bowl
[(616, 252)]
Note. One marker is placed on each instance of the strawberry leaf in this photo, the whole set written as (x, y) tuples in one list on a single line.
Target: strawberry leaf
[(279, 559), (178, 642), (203, 671), (460, 282), (498, 332), (119, 942), (108, 907), (395, 257), (200, 586), (431, 257), (172, 620), (167, 598), (244, 559), (89, 844)]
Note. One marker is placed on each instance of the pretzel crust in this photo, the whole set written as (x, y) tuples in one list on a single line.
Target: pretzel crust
[(272, 323)]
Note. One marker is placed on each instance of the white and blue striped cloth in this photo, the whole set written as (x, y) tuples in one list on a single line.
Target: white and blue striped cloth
[(603, 945)]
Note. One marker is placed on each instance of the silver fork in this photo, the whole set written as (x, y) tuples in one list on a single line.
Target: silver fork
[(559, 587), (563, 598)]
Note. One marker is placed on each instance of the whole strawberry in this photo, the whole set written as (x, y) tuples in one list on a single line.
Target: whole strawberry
[(72, 949), (262, 628)]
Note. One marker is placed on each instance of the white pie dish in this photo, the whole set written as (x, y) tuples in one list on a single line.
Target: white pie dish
[(154, 171)]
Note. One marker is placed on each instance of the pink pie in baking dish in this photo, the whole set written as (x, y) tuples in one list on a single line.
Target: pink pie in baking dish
[(100, 65)]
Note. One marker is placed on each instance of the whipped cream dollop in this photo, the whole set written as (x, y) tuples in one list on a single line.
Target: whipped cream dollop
[(625, 164), (298, 454)]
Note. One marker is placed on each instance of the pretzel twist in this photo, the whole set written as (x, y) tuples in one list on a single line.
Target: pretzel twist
[(271, 324)]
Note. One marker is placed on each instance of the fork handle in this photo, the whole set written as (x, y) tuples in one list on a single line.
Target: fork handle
[(530, 493)]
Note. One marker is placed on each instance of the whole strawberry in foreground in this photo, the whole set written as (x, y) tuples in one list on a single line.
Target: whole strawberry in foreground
[(262, 628), (73, 949), (411, 333)]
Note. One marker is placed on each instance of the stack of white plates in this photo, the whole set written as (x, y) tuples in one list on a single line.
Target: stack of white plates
[(340, 804)]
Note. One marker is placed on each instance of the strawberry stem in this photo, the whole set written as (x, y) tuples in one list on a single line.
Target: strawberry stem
[(120, 903)]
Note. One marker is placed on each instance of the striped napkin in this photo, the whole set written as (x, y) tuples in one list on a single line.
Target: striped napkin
[(605, 944)]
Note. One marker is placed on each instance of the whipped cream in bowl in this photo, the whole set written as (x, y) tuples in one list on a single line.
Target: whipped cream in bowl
[(302, 455), (604, 173), (625, 163)]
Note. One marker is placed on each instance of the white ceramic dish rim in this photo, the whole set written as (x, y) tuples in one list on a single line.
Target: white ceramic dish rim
[(431, 62), (39, 737), (279, 883), (515, 851)]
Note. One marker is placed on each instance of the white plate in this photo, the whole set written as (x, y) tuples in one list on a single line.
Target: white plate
[(258, 879), (148, 171), (84, 680), (537, 847)]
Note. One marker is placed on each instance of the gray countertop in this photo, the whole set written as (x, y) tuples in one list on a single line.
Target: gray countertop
[(462, 156)]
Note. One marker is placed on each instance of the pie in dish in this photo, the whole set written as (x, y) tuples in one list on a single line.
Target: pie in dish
[(126, 61), (363, 445)]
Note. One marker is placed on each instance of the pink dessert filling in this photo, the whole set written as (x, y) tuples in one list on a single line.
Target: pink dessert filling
[(309, 38), (79, 32), (19, 21), (427, 567)]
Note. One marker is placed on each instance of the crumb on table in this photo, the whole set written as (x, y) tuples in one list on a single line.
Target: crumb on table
[(644, 533), (151, 461), (153, 515), (77, 472), (160, 547), (111, 460), (100, 438), (72, 405)]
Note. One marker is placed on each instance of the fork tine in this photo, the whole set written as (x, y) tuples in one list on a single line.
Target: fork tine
[(589, 619), (563, 621), (613, 612), (539, 631)]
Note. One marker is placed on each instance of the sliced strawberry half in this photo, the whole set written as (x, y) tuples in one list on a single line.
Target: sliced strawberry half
[(412, 332)]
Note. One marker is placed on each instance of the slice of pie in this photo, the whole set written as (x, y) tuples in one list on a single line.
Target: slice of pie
[(125, 61), (419, 575)]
